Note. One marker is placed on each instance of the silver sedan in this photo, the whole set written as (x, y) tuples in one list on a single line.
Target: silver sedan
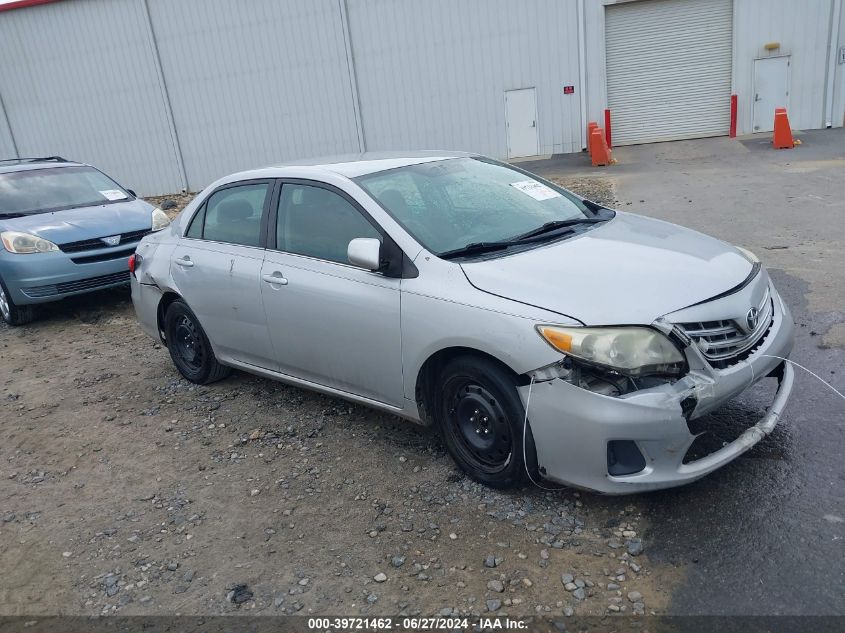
[(547, 337)]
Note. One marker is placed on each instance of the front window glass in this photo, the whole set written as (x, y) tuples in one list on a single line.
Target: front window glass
[(319, 223), (448, 204), (31, 191)]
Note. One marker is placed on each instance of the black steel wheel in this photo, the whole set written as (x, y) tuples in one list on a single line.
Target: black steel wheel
[(189, 347), (480, 417), (479, 424)]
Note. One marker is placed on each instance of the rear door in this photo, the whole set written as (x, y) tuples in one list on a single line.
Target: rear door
[(331, 323), (217, 268)]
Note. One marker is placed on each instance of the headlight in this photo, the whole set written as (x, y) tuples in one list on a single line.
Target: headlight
[(748, 255), (160, 220), (17, 242), (635, 351)]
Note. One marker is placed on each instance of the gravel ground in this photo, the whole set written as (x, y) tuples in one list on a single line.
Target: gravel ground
[(594, 188), (124, 488)]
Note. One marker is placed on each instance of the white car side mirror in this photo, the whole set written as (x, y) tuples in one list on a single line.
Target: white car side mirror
[(365, 252)]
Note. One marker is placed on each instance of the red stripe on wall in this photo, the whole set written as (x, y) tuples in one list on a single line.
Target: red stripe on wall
[(20, 4), (732, 131)]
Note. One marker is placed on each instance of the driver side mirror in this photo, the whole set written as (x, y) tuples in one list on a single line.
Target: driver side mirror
[(365, 252)]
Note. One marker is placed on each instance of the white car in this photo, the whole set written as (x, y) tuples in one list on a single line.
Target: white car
[(455, 290)]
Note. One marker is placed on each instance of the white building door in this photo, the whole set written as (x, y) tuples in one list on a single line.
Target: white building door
[(521, 122), (668, 69), (771, 90)]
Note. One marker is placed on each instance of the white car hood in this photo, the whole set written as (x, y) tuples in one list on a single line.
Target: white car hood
[(630, 270)]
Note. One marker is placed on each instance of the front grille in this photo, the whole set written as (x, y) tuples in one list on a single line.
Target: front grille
[(95, 243), (724, 343), (79, 285), (103, 257)]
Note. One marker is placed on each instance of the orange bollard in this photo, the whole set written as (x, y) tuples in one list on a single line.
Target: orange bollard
[(599, 151), (592, 125), (782, 137)]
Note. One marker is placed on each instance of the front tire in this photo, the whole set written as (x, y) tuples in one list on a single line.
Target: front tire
[(12, 313), (189, 347), (481, 418)]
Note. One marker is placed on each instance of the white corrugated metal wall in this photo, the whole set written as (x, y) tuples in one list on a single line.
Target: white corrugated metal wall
[(7, 143), (434, 73), (165, 95), (78, 79), (802, 30), (838, 44), (142, 87), (254, 83), (805, 31)]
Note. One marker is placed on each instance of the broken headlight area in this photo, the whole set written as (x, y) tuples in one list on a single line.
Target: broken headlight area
[(606, 381)]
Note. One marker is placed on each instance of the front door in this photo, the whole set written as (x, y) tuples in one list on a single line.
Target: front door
[(331, 323), (521, 121), (217, 269), (771, 90)]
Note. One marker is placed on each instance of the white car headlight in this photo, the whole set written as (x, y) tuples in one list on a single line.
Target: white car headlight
[(634, 351), (17, 242), (160, 220)]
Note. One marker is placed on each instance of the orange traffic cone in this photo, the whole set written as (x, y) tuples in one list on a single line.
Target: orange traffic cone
[(592, 125), (782, 137), (599, 151)]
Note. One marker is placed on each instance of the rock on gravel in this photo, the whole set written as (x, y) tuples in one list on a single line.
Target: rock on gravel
[(634, 546), (496, 585), (380, 577), (238, 594)]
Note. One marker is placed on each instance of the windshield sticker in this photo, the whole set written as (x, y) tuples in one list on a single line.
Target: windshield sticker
[(536, 190), (113, 194)]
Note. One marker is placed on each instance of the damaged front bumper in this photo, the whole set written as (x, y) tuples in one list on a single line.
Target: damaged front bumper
[(573, 427)]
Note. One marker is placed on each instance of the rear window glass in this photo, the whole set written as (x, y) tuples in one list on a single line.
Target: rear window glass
[(40, 190), (232, 215)]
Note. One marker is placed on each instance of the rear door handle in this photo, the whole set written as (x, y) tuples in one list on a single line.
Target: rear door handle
[(276, 278), (185, 262)]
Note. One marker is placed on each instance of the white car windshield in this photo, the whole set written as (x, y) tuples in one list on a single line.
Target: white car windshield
[(449, 204)]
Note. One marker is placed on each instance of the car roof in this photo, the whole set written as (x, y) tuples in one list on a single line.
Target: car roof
[(12, 165), (353, 165)]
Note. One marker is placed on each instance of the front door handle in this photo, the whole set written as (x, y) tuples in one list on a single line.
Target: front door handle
[(185, 262), (276, 278)]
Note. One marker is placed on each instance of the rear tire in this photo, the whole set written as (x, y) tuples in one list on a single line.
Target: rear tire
[(480, 417), (12, 313), (189, 347)]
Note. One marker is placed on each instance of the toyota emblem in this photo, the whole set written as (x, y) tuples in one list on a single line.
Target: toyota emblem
[(752, 318)]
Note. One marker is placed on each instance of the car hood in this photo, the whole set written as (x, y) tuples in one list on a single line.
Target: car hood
[(630, 270), (84, 223)]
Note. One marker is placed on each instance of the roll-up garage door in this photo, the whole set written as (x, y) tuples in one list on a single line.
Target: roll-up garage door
[(668, 69)]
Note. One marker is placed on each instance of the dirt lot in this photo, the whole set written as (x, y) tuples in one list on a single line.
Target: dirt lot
[(124, 488)]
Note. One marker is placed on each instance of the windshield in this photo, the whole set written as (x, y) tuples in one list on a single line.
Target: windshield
[(40, 190), (447, 204)]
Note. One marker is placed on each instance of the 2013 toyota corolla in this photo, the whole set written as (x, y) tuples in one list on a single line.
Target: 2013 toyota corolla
[(455, 290)]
